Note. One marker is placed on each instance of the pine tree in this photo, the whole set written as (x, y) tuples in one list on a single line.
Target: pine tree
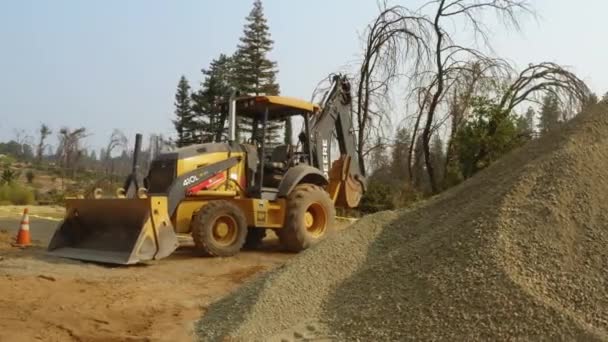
[(379, 161), (400, 152), (604, 100), (102, 154), (530, 118), (549, 114), (438, 157), (184, 122), (254, 72), (419, 174), (215, 90), (525, 124)]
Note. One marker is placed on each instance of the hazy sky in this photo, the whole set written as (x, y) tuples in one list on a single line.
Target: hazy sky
[(115, 64)]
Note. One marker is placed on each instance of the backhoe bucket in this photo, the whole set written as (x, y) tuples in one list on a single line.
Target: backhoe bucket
[(115, 231)]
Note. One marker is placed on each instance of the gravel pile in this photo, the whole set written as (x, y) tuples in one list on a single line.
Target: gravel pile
[(519, 252)]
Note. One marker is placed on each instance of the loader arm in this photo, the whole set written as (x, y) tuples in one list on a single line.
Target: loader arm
[(346, 180)]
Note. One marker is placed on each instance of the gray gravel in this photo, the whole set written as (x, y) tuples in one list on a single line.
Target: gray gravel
[(519, 252)]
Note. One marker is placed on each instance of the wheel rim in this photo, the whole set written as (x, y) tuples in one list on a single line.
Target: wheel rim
[(225, 230), (315, 220)]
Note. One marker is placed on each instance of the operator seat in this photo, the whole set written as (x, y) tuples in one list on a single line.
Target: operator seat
[(276, 166), (279, 157)]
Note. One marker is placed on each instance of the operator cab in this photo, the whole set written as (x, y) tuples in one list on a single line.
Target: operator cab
[(265, 112)]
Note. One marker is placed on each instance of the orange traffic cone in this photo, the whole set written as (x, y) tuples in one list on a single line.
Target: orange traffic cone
[(23, 237)]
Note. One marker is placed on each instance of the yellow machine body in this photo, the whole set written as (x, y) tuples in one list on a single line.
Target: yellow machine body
[(144, 225), (131, 230), (259, 213)]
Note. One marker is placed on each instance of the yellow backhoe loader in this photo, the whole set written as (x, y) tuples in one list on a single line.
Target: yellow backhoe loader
[(226, 195)]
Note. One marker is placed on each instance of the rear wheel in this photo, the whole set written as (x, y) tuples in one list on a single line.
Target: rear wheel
[(309, 219), (219, 229)]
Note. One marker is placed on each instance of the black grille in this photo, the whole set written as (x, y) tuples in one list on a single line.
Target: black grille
[(161, 175)]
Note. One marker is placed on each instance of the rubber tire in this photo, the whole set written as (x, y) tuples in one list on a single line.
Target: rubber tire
[(293, 236), (202, 228), (254, 238)]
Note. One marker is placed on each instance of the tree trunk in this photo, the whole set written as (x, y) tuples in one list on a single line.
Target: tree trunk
[(426, 134)]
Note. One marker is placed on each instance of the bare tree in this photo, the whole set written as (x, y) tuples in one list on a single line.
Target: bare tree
[(22, 139), (531, 84), (541, 79), (462, 79), (117, 140), (44, 131), (395, 35), (452, 61), (69, 151), (444, 74), (480, 78), (159, 144)]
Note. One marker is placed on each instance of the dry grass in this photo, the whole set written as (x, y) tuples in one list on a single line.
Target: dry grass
[(40, 211)]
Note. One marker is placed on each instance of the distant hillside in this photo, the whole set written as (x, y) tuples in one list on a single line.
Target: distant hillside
[(31, 183)]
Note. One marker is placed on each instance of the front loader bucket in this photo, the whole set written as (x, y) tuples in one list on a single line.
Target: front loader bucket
[(115, 231)]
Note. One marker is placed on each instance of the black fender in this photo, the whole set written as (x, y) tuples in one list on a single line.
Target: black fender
[(301, 174)]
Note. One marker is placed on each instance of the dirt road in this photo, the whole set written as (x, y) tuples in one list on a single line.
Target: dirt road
[(41, 230), (52, 299)]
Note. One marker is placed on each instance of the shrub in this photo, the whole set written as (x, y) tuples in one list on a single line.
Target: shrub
[(15, 194), (378, 197), (53, 197), (8, 176), (30, 176), (6, 161)]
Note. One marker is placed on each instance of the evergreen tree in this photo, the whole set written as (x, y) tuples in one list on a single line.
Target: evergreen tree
[(604, 100), (437, 157), (378, 197), (525, 124), (215, 90), (419, 174), (530, 115), (549, 114), (184, 122), (379, 162), (254, 72), (102, 154), (399, 160), (476, 148)]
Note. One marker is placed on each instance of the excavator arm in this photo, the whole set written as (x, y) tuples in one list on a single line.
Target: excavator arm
[(346, 180)]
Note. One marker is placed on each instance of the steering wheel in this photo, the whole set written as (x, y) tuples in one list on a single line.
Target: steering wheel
[(296, 155)]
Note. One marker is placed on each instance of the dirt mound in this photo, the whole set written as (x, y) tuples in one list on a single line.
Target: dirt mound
[(518, 252)]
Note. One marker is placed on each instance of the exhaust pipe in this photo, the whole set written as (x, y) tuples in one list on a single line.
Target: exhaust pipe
[(132, 184), (232, 118)]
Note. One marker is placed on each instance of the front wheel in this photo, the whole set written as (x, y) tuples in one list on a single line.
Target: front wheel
[(219, 229), (309, 218)]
